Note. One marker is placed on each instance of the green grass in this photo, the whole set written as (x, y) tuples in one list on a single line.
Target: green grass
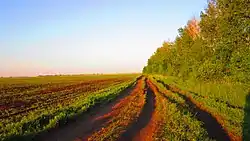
[(180, 123), (227, 99), (231, 92)]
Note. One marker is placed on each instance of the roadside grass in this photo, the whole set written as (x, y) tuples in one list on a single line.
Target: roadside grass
[(225, 100), (233, 93), (180, 123)]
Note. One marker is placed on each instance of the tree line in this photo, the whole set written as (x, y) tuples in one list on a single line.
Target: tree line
[(214, 47)]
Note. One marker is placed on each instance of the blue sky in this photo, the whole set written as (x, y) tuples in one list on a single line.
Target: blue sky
[(86, 36)]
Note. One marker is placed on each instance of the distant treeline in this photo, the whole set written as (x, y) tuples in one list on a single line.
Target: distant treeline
[(214, 47)]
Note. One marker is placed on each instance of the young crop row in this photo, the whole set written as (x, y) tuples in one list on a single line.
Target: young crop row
[(228, 117), (39, 121)]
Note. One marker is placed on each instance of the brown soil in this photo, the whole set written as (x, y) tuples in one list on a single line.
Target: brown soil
[(154, 129), (144, 119)]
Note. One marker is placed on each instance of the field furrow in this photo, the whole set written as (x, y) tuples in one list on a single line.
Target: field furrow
[(62, 97)]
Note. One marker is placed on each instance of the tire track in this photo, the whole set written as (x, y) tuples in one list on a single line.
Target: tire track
[(122, 115), (144, 118), (214, 128)]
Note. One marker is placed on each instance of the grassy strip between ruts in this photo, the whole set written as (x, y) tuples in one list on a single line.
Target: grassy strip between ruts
[(33, 124), (179, 122), (229, 118), (122, 115)]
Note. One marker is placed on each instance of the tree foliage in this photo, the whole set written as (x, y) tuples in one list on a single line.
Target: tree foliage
[(216, 47)]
